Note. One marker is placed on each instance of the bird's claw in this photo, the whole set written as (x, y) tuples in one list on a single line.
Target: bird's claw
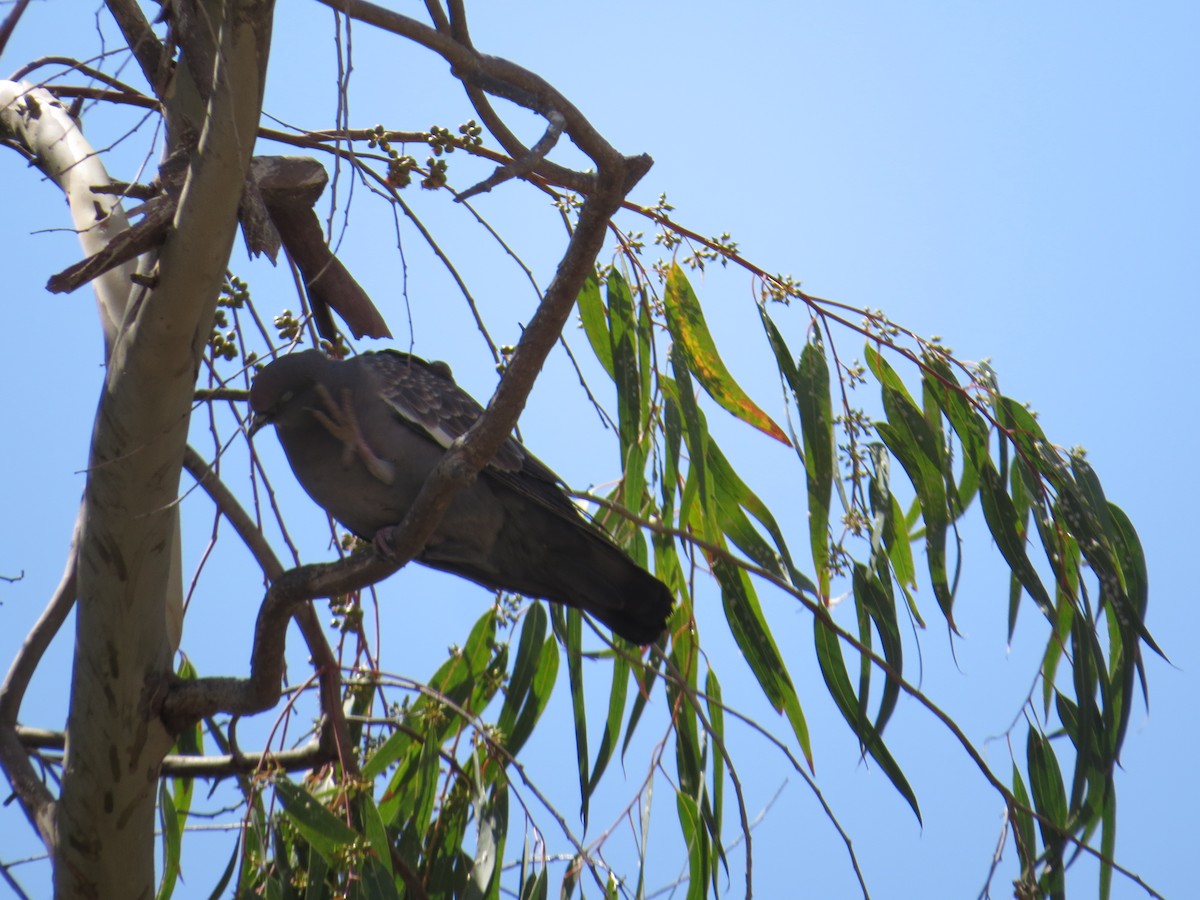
[(384, 543), (342, 423)]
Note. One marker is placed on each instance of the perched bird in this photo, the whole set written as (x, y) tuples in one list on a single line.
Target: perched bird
[(362, 434)]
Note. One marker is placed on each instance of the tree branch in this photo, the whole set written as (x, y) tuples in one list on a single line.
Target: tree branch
[(335, 731), (35, 799), (502, 78)]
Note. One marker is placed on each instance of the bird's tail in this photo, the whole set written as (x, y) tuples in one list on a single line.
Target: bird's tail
[(619, 593), (570, 563)]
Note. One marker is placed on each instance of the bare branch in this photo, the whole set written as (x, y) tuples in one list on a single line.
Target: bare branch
[(229, 507), (140, 37), (522, 166), (177, 765), (335, 737), (502, 78), (31, 792), (10, 22)]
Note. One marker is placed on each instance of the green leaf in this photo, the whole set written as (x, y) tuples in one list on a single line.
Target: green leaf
[(568, 624), (1063, 622), (424, 787), (322, 829), (695, 429), (533, 632), (685, 320), (872, 593), (783, 356), (375, 831), (1001, 516), (833, 669), (733, 496), (543, 686), (1108, 843), (172, 839), (816, 424), (536, 888), (1045, 781), (689, 758), (908, 436), (612, 726), (754, 639), (374, 882), (594, 317), (965, 419), (713, 806), (646, 360), (1023, 828), (491, 821), (696, 840), (626, 374)]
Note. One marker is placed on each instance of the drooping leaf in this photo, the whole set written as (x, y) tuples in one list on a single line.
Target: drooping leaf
[(375, 831), (908, 436), (1046, 785), (568, 625), (491, 829), (873, 594), (172, 838), (1108, 843), (716, 720), (816, 425), (325, 832), (1001, 516), (1023, 827), (685, 320), (695, 838), (612, 724), (626, 374), (594, 317), (833, 669), (733, 496), (758, 647)]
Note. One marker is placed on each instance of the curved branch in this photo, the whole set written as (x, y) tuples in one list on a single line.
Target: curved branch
[(498, 76), (32, 794), (323, 659)]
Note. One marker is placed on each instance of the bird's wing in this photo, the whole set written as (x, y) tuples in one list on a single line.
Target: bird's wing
[(426, 397)]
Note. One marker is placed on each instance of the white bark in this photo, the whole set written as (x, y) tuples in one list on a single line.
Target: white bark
[(39, 122)]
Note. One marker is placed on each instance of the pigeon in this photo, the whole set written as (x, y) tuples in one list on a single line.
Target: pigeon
[(361, 435)]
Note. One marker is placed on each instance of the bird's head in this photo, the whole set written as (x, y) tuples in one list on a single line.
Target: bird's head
[(281, 383)]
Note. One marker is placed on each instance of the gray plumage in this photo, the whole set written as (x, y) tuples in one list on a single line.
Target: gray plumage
[(361, 436)]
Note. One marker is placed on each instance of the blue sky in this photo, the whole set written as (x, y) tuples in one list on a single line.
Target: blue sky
[(1019, 178)]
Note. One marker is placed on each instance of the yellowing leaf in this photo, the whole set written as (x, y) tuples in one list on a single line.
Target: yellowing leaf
[(686, 322)]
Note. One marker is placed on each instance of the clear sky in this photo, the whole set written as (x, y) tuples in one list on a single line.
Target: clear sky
[(1018, 177)]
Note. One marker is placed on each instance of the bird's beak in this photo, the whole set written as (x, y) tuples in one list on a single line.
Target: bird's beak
[(256, 424)]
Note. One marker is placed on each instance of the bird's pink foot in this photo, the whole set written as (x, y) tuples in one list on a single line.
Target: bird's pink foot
[(342, 423)]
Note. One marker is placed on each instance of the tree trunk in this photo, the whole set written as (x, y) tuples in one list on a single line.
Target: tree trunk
[(115, 739)]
